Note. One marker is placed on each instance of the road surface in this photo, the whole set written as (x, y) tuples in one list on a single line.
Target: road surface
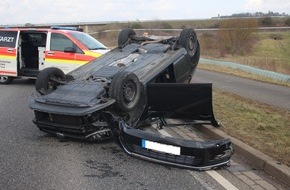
[(274, 95)]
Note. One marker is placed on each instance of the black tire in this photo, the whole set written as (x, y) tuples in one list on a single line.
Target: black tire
[(47, 79), (188, 40), (5, 79), (124, 36), (125, 88)]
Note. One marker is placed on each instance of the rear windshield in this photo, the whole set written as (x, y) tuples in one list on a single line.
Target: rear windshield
[(88, 41), (8, 39)]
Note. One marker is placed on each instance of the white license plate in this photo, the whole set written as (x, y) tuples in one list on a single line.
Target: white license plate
[(161, 147)]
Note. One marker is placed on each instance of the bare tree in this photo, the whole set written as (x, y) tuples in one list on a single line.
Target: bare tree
[(234, 35)]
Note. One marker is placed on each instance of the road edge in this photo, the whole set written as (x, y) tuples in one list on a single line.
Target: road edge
[(257, 158)]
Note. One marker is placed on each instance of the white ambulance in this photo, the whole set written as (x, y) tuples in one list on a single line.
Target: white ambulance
[(24, 52)]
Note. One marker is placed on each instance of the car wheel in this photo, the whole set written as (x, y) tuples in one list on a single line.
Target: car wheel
[(5, 79), (48, 80), (124, 36), (125, 88), (189, 41)]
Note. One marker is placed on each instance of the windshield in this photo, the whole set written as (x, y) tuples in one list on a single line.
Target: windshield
[(88, 41)]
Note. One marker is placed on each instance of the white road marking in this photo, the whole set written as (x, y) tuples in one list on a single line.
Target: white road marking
[(221, 180), (164, 133), (215, 175)]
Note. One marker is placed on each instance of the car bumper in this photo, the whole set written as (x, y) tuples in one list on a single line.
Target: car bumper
[(176, 152)]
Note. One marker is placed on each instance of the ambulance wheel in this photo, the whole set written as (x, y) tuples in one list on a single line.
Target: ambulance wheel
[(124, 36), (5, 79), (188, 40), (49, 79), (125, 88)]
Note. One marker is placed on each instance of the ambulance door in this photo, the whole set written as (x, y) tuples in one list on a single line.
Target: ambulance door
[(41, 50), (8, 54), (60, 53)]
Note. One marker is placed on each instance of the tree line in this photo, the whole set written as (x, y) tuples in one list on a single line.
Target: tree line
[(256, 14)]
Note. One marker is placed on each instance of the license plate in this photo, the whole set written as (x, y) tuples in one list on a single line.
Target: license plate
[(170, 149)]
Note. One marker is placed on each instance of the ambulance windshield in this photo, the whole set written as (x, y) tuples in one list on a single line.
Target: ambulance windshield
[(88, 41)]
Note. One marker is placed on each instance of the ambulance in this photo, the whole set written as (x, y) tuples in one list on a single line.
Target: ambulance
[(24, 52)]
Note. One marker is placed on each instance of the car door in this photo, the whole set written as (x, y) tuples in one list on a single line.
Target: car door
[(61, 53), (182, 69), (8, 53)]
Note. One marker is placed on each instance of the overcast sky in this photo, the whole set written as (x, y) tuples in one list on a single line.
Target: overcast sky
[(59, 11)]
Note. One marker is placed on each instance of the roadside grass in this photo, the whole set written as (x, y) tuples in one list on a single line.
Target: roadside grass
[(258, 125), (271, 51), (273, 44)]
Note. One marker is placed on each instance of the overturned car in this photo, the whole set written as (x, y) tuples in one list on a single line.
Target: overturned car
[(144, 79)]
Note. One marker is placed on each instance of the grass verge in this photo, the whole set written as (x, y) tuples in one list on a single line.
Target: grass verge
[(261, 126)]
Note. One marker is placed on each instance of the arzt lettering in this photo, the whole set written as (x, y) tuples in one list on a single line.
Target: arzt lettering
[(6, 39)]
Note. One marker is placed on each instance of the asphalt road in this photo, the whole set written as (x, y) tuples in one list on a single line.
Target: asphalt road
[(274, 95), (31, 159)]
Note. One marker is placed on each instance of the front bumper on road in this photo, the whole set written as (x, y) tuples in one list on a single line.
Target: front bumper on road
[(176, 152)]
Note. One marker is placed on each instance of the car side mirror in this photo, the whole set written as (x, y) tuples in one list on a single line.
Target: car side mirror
[(69, 50)]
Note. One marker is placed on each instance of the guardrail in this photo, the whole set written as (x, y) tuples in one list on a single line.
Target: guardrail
[(249, 69)]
